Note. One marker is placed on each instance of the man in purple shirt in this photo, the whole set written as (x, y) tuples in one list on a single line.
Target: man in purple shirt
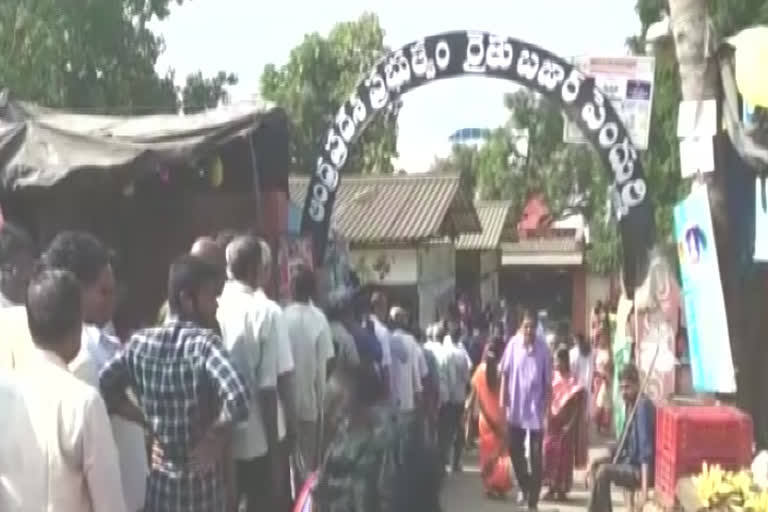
[(526, 390)]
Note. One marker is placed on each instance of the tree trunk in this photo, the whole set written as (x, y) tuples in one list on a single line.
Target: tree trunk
[(699, 80)]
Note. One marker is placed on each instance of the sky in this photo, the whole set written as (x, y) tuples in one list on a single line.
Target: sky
[(243, 36)]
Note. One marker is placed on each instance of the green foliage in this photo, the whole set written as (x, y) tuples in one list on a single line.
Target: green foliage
[(202, 93), (662, 161), (97, 55), (320, 75), (571, 177), (461, 161)]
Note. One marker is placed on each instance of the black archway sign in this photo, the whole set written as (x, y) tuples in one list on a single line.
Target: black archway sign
[(468, 53)]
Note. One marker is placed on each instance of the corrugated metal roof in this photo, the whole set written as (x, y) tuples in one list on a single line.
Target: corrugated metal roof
[(494, 216), (397, 209)]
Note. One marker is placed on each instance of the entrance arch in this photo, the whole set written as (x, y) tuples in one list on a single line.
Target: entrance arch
[(472, 53)]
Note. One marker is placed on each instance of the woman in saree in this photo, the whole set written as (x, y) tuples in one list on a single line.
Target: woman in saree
[(495, 463), (565, 445)]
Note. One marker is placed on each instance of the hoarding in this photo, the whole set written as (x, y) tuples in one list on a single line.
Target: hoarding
[(628, 84)]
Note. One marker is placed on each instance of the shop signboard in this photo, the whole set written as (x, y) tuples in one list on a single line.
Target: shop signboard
[(628, 84), (708, 342)]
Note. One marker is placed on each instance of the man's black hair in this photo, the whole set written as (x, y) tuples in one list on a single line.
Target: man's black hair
[(244, 254), (304, 285), (562, 355), (79, 252), (53, 305), (15, 243), (188, 274), (530, 313), (629, 373)]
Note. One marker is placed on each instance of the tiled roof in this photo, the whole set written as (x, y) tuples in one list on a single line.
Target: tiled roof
[(494, 216), (397, 209)]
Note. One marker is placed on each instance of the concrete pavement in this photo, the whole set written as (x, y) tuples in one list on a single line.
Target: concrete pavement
[(463, 492)]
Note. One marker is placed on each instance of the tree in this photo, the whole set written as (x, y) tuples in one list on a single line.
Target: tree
[(696, 78), (200, 93), (528, 156), (461, 161), (98, 56), (319, 76)]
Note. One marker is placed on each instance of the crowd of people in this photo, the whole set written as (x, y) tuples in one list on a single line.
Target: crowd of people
[(232, 402)]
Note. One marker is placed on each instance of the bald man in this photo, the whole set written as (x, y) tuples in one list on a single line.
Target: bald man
[(209, 251)]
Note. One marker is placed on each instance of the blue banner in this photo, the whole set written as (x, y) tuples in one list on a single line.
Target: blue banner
[(709, 345)]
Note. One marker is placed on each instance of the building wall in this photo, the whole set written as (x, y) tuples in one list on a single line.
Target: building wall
[(489, 288), (579, 308), (385, 265), (437, 279), (490, 261), (431, 268)]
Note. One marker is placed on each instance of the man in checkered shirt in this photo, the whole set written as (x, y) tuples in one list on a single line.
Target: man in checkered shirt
[(190, 393)]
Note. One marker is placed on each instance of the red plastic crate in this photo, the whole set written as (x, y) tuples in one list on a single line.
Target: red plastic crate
[(687, 436)]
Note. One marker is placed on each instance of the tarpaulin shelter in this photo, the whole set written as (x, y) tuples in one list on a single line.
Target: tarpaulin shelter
[(146, 185)]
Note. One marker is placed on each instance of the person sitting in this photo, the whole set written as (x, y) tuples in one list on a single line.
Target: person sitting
[(634, 466)]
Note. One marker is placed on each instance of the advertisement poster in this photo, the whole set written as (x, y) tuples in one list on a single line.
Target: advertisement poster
[(294, 252), (709, 346), (628, 84)]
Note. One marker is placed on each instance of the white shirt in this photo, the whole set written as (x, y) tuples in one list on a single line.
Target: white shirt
[(251, 328), (16, 342), (459, 365), (383, 334), (56, 451), (97, 348), (312, 347), (583, 368), (437, 350), (284, 364), (412, 373)]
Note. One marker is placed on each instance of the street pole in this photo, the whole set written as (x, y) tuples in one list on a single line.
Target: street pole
[(699, 81)]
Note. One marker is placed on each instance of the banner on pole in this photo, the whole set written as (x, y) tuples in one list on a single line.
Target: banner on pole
[(708, 342)]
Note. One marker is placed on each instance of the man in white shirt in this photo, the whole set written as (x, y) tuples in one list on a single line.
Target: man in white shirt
[(410, 386), (17, 252), (394, 355), (252, 329), (90, 261), (57, 451), (434, 345), (459, 365), (286, 409), (312, 349)]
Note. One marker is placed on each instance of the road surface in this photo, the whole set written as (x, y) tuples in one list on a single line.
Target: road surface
[(463, 492)]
